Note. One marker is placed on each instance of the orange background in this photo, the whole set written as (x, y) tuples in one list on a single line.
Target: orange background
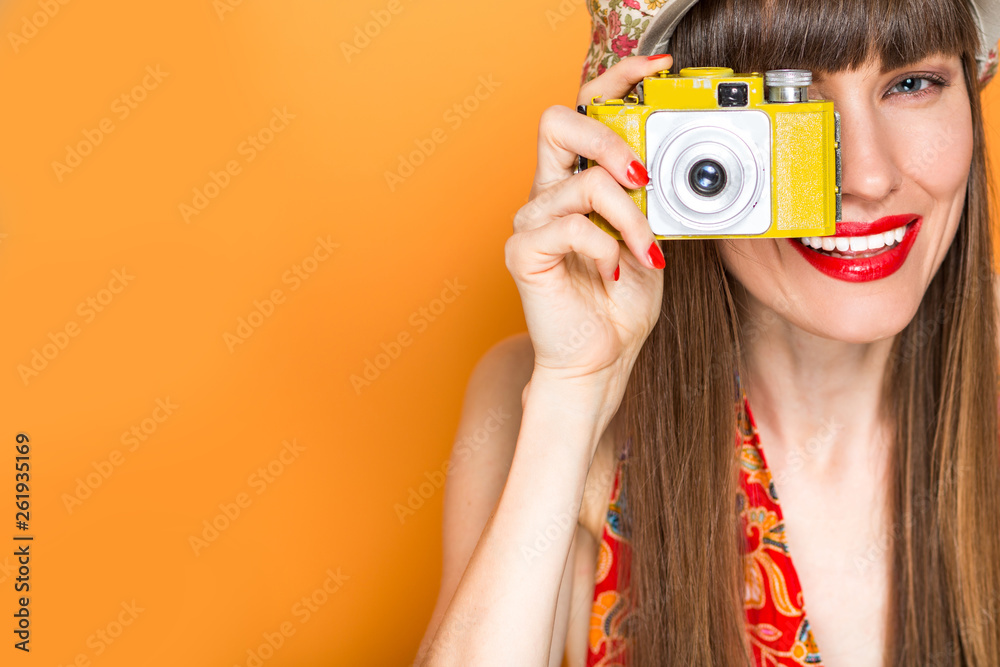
[(123, 537)]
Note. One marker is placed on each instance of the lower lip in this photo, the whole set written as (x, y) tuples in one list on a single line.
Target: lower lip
[(864, 269)]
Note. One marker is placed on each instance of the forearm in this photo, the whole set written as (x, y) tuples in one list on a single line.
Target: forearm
[(504, 608)]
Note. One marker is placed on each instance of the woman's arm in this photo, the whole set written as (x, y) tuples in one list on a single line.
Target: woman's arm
[(586, 329), (503, 598)]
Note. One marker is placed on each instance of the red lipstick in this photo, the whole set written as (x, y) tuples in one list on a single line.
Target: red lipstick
[(863, 269)]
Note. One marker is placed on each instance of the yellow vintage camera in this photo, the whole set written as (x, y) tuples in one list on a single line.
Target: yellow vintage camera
[(729, 155)]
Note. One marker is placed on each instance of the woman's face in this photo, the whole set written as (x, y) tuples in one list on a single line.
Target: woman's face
[(906, 148)]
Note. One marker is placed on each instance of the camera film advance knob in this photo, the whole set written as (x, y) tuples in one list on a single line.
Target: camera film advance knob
[(787, 85)]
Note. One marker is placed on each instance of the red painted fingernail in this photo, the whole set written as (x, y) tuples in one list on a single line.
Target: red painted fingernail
[(657, 56), (617, 272), (637, 173), (655, 256)]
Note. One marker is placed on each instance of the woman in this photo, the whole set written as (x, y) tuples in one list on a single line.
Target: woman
[(872, 376)]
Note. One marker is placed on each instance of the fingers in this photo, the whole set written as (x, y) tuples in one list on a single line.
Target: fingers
[(592, 190), (538, 250), (563, 134), (554, 223), (621, 77)]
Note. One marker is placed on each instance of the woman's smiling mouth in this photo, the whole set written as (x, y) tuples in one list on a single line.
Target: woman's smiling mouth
[(862, 251)]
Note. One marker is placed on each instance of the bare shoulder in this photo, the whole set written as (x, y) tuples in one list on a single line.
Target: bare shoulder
[(506, 366), (499, 379), (491, 409)]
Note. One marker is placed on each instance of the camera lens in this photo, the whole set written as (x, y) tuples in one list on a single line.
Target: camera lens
[(707, 178), (710, 172)]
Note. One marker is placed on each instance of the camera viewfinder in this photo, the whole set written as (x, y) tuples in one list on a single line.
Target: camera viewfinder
[(733, 94)]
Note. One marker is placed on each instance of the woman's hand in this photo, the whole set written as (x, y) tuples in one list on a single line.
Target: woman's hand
[(589, 303)]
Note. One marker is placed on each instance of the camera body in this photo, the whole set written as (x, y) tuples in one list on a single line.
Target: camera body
[(730, 155)]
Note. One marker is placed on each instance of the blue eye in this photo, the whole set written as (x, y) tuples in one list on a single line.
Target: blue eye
[(912, 84), (917, 86)]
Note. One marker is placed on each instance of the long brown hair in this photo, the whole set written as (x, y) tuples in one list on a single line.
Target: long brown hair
[(940, 385)]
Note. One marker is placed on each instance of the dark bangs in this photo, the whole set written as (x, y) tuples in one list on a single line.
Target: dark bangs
[(820, 35)]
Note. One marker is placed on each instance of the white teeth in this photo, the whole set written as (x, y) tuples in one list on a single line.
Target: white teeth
[(835, 245)]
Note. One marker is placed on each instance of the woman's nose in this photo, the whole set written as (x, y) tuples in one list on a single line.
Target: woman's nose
[(869, 172)]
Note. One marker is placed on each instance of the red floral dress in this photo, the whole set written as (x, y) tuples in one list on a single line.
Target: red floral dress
[(776, 619)]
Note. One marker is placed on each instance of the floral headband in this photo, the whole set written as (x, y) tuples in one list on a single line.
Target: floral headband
[(627, 27)]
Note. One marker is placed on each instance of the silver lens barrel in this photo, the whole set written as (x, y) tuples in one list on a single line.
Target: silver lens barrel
[(787, 85), (709, 177)]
